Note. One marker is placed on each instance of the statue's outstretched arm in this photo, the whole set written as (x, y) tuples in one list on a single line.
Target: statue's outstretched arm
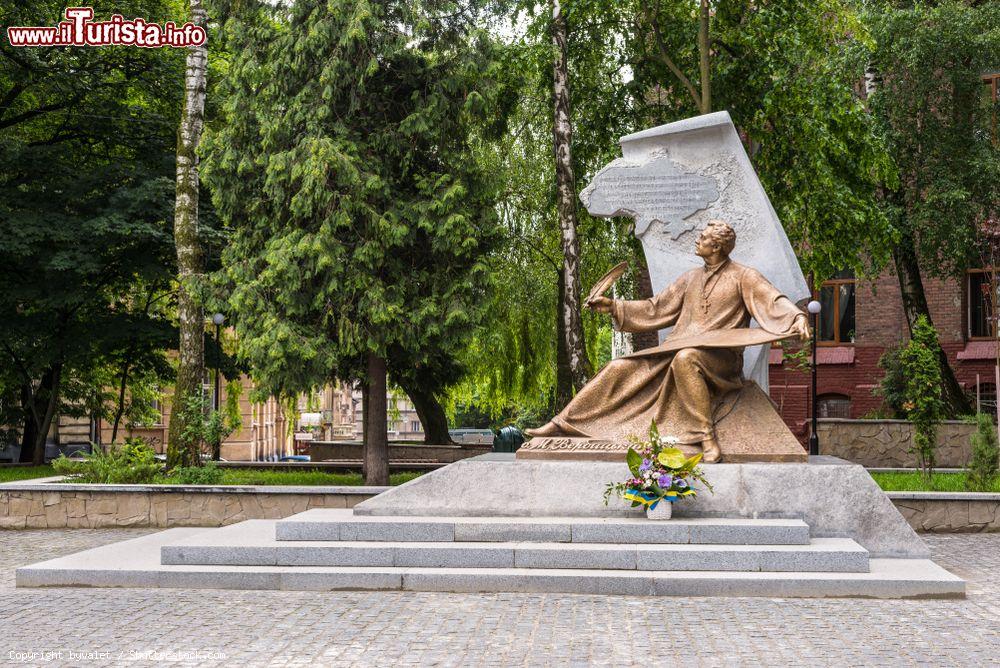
[(650, 315)]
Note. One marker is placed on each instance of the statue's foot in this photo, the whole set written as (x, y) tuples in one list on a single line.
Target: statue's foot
[(549, 429), (710, 449)]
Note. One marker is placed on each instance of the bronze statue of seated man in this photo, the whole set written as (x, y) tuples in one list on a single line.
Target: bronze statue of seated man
[(675, 383)]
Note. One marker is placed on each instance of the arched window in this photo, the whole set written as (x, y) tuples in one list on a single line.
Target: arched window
[(833, 406)]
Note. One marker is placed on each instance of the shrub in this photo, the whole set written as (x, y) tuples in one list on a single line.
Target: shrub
[(892, 387), (209, 474), (133, 462), (982, 469), (921, 391)]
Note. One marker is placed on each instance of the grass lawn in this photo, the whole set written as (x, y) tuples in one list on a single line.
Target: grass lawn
[(914, 482), (310, 478), (9, 473)]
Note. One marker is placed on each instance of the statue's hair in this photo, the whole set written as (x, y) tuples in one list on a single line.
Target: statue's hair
[(723, 234)]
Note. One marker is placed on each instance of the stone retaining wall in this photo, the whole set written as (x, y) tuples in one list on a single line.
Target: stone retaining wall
[(885, 443), (58, 506), (53, 506), (949, 512)]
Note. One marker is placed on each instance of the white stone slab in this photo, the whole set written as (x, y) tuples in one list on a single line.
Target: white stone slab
[(673, 179), (326, 524), (134, 563)]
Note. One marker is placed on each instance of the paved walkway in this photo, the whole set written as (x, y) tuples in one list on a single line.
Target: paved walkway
[(179, 627)]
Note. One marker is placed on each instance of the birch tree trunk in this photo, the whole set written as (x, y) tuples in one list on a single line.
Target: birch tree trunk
[(376, 464), (704, 56), (190, 315), (562, 131)]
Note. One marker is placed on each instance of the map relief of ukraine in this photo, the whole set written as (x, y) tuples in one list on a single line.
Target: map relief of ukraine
[(658, 190)]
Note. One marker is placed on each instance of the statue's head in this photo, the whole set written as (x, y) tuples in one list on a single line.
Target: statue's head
[(717, 237)]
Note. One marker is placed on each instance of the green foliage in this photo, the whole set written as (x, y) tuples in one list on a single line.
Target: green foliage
[(796, 356), (343, 163), (921, 391), (786, 71), (880, 413), (133, 462), (205, 427), (932, 115), (209, 474), (981, 472), (892, 386), (86, 192)]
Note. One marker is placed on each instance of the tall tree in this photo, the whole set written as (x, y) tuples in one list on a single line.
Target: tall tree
[(360, 219), (190, 313), (927, 100), (84, 174), (571, 326)]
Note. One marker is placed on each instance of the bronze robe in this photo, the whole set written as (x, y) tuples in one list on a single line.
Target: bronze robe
[(701, 360)]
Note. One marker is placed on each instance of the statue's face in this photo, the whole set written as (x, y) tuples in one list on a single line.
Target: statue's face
[(706, 244)]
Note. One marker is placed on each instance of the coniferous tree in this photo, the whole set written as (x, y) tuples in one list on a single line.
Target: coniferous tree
[(359, 217)]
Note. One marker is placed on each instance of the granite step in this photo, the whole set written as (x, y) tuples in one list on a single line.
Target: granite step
[(337, 524), (252, 543), (136, 563)]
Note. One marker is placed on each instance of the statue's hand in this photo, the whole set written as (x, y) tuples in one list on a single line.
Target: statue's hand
[(601, 304), (801, 327)]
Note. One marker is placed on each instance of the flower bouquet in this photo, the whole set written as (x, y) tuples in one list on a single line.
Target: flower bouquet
[(661, 474)]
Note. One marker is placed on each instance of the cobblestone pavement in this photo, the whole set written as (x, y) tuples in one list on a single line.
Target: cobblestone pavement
[(182, 627)]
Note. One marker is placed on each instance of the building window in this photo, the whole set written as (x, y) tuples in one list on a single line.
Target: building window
[(836, 318), (982, 322), (833, 406)]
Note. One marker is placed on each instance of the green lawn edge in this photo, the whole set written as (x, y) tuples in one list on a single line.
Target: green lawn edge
[(912, 481)]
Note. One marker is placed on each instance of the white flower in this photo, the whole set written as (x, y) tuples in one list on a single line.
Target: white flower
[(669, 440)]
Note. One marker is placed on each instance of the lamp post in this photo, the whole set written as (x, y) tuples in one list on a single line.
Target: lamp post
[(814, 308), (217, 320)]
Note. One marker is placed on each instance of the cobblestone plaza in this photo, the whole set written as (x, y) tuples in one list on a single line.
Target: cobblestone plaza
[(178, 627)]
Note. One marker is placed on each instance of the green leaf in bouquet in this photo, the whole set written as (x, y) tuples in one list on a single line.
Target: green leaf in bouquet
[(634, 461), (654, 433), (691, 462), (672, 458)]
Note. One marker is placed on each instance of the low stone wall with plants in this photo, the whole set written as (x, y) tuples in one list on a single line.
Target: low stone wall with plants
[(57, 506), (949, 512), (886, 443)]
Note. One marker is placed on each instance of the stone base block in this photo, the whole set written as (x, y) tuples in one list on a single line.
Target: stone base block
[(834, 498)]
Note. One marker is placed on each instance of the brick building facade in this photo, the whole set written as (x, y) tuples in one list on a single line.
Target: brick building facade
[(847, 366)]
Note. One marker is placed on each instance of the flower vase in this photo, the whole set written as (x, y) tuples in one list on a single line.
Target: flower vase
[(663, 510)]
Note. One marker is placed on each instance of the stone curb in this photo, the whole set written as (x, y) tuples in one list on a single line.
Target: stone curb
[(944, 496), (35, 486)]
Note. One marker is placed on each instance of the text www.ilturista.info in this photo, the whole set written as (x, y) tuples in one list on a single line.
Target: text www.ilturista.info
[(80, 30)]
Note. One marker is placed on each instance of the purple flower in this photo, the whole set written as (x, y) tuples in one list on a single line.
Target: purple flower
[(666, 480), (645, 465), (681, 483)]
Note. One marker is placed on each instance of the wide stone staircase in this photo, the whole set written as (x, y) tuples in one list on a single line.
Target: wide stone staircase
[(334, 549)]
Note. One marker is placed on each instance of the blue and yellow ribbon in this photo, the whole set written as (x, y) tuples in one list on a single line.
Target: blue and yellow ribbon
[(651, 500)]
